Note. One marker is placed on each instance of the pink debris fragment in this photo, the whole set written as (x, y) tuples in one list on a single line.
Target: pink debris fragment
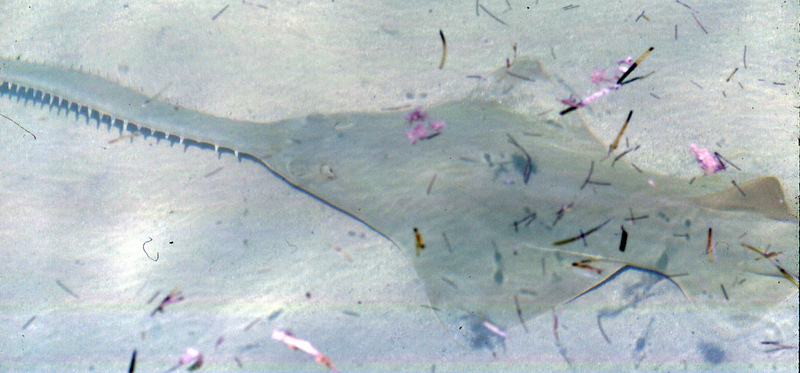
[(421, 130), (191, 355), (599, 76), (174, 296), (416, 133), (706, 159), (588, 99), (299, 344), (571, 102), (625, 61), (416, 115), (495, 329)]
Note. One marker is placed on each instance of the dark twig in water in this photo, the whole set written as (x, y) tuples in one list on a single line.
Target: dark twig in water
[(603, 332), (738, 188), (589, 179), (519, 76), (124, 137), (65, 288), (633, 219), (519, 313), (158, 292), (636, 63), (132, 367), (19, 125), (623, 241), (252, 324), (420, 244), (274, 315), (744, 57), (561, 211), (430, 185), (731, 76), (145, 251), (30, 321), (555, 328), (450, 282), (583, 234), (151, 99), (214, 18), (173, 297), (254, 4), (720, 158), (526, 172), (623, 154), (444, 49), (710, 246), (528, 219), (447, 243), (687, 6), (769, 256), (492, 15), (614, 144), (779, 346), (699, 24), (585, 264)]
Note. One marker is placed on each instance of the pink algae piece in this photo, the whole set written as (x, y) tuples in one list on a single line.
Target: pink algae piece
[(422, 130), (416, 133), (706, 160), (437, 125), (416, 115)]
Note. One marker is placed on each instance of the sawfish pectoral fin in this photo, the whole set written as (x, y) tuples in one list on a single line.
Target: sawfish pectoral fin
[(764, 195)]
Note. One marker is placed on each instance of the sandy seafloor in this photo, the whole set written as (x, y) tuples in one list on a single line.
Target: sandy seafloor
[(242, 244)]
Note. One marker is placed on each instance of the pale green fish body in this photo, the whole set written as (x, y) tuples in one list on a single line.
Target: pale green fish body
[(464, 190)]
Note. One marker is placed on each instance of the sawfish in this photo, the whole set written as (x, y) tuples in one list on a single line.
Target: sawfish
[(504, 215)]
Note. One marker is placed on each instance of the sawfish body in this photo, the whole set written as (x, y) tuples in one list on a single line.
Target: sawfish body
[(489, 217)]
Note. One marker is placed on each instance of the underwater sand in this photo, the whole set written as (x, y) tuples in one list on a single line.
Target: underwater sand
[(244, 244)]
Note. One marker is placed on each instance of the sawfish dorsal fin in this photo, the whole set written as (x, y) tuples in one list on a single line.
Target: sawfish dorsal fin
[(763, 195)]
